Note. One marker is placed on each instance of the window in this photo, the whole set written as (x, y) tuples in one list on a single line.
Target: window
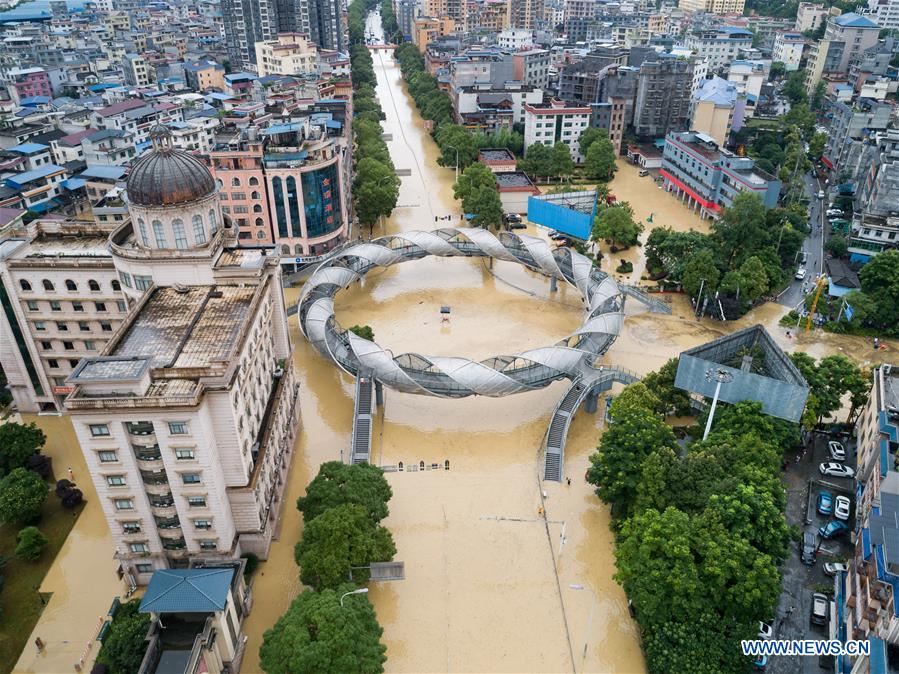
[(123, 504), (99, 430), (241, 209), (180, 236), (108, 456), (131, 527), (116, 285), (213, 221), (196, 501), (89, 345), (144, 568), (25, 285), (126, 278), (235, 182), (254, 181), (48, 286), (199, 234), (257, 208), (115, 480), (260, 234), (178, 428), (203, 524), (55, 306), (239, 196), (84, 326), (208, 545), (73, 363), (32, 305), (68, 346), (106, 326), (62, 327), (159, 234), (77, 306), (254, 195), (53, 363), (40, 326), (70, 285), (139, 547), (190, 478), (121, 306), (142, 282), (184, 453)]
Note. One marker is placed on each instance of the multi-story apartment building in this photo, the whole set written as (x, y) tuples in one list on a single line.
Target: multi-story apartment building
[(663, 96), (852, 121), (810, 16), (526, 14), (326, 24), (288, 54), (719, 46), (514, 39), (532, 67), (715, 110), (555, 123), (885, 13), (62, 301), (187, 417), (204, 75), (871, 609), (712, 6), (245, 24), (709, 177), (512, 97), (855, 33), (138, 72), (878, 191), (748, 77), (28, 82), (406, 13), (788, 49)]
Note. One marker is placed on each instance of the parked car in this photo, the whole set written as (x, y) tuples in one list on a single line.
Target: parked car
[(809, 549), (800, 274), (825, 503), (766, 630), (832, 212), (760, 663), (833, 529), (833, 568), (517, 225), (842, 508), (644, 173), (837, 451), (820, 194), (512, 217), (833, 469), (820, 608)]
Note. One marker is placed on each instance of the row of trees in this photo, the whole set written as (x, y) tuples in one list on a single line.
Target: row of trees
[(320, 634), (554, 161), (476, 189), (456, 143), (699, 531), (376, 186), (830, 380), (749, 252)]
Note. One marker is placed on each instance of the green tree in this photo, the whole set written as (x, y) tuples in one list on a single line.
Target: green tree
[(615, 223), (704, 645), (338, 540), (816, 145), (375, 190), (741, 228), (363, 331), (31, 542), (755, 516), (753, 278), (17, 443), (484, 203), (452, 137), (794, 89), (125, 645), (22, 494), (319, 636), (700, 272), (588, 137), (880, 282), (537, 161), (674, 401), (338, 484), (837, 245), (475, 176), (635, 432), (818, 94), (561, 161), (778, 70), (599, 160)]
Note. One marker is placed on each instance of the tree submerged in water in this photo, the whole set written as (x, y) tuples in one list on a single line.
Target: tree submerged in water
[(363, 331)]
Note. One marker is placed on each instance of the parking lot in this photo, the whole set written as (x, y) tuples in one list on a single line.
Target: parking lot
[(801, 581)]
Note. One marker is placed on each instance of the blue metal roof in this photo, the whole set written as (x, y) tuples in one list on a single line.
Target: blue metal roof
[(187, 591), (853, 20), (72, 184), (103, 86), (29, 148), (44, 206), (35, 100), (103, 171), (877, 658), (282, 128), (334, 124), (866, 543), (41, 172)]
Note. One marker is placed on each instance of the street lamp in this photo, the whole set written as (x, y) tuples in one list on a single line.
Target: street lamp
[(450, 147), (720, 376), (361, 590)]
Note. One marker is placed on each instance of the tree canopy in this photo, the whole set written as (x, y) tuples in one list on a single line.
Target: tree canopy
[(599, 159), (22, 494), (124, 647), (338, 484), (319, 636), (616, 224), (17, 443)]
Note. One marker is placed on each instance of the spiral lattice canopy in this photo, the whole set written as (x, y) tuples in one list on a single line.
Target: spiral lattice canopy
[(449, 376)]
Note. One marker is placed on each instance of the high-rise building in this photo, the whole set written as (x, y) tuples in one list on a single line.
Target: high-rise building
[(712, 6), (526, 14), (663, 96), (325, 23), (187, 417), (884, 12)]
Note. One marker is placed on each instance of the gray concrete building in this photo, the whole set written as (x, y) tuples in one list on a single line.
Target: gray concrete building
[(663, 97)]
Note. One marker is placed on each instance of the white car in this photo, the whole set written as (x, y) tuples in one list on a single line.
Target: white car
[(833, 469), (834, 212), (800, 274), (766, 630), (837, 451), (841, 508), (833, 568)]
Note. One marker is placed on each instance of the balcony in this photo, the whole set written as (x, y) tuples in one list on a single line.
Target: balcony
[(171, 522), (162, 500), (154, 477), (140, 428), (147, 453), (174, 543)]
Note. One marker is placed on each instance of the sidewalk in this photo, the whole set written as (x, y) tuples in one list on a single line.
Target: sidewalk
[(82, 580)]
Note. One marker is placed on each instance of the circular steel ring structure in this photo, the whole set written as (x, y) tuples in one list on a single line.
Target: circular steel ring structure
[(453, 377)]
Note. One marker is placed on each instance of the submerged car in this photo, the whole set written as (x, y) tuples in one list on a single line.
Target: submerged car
[(820, 608)]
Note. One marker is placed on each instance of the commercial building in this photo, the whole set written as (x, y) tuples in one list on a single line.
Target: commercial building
[(719, 46), (555, 123), (187, 417), (712, 6), (788, 49), (663, 97), (709, 177), (287, 54)]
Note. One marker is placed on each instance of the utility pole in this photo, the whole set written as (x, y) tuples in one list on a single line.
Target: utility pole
[(698, 298), (720, 376)]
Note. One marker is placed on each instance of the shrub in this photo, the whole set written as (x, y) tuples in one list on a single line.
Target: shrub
[(31, 543)]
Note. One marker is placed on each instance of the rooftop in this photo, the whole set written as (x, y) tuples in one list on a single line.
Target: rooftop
[(499, 154), (513, 179), (853, 20), (187, 591), (63, 245)]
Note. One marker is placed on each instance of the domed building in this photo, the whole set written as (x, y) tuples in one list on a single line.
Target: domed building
[(177, 229)]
